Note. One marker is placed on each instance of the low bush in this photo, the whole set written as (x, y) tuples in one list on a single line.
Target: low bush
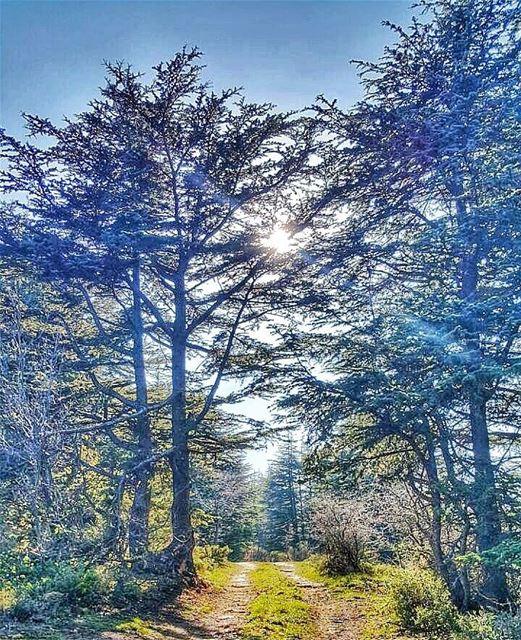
[(505, 556), (487, 626), (422, 603), (475, 627), (211, 556), (508, 627), (44, 588), (347, 530)]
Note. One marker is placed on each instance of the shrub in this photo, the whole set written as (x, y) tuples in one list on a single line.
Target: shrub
[(505, 556), (487, 626), (346, 531), (211, 556), (51, 586), (422, 603), (475, 627), (81, 585), (127, 589), (508, 627)]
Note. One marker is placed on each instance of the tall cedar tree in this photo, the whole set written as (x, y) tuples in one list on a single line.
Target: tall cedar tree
[(426, 258), (164, 189)]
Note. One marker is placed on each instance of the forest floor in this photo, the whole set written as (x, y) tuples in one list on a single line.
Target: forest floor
[(333, 617), (254, 601)]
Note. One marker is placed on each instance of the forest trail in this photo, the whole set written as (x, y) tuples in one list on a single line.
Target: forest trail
[(334, 618), (219, 617), (222, 616)]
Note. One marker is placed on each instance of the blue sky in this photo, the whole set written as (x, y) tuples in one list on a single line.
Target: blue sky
[(279, 51), (284, 52)]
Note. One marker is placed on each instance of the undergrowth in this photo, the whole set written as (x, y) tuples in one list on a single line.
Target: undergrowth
[(53, 598), (395, 601)]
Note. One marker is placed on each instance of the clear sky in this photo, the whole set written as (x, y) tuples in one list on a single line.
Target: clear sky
[(286, 52), (279, 51)]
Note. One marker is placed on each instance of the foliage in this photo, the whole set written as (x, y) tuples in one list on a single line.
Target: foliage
[(346, 530), (211, 556), (422, 603), (287, 526), (229, 502), (488, 626), (259, 554), (150, 234), (51, 588), (137, 277), (408, 367)]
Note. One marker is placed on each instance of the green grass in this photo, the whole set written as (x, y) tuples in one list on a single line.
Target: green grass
[(138, 627), (218, 577), (369, 591), (278, 611)]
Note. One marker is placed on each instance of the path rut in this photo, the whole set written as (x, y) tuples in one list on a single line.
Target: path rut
[(334, 617), (226, 620)]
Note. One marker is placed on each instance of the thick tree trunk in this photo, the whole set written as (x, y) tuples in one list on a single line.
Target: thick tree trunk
[(488, 530), (461, 590), (140, 508), (139, 515), (183, 538), (485, 506)]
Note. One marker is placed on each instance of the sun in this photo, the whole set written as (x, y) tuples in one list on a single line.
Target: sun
[(279, 240)]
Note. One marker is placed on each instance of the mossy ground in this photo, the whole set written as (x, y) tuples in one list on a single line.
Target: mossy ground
[(278, 612)]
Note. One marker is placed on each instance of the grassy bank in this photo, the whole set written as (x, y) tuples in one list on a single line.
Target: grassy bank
[(397, 603), (134, 617), (278, 611), (370, 591)]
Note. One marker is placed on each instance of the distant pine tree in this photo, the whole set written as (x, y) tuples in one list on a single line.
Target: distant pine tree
[(286, 529)]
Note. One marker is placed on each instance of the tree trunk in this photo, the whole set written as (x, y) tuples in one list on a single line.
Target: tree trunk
[(183, 538), (436, 506), (488, 529), (461, 590), (140, 508)]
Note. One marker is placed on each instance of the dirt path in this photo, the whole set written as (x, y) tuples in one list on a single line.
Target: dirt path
[(220, 617), (335, 618), (228, 613)]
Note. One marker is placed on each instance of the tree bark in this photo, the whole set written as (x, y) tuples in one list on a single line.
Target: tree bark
[(436, 506), (140, 508), (182, 533), (485, 506), (488, 529)]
